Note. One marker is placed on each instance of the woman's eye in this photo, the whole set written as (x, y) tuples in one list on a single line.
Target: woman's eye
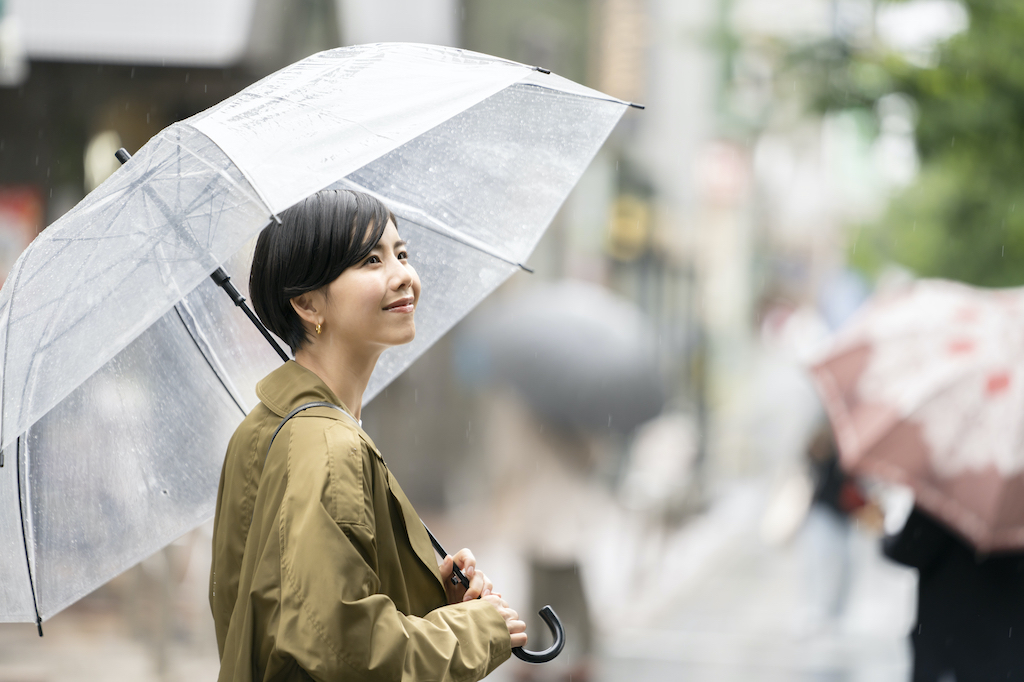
[(372, 259), (403, 255)]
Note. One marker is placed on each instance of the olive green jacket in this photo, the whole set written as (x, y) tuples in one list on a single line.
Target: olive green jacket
[(321, 566)]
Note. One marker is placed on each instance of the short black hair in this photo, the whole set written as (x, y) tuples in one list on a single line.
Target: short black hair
[(316, 240)]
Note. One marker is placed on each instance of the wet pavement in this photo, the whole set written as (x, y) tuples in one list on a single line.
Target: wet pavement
[(723, 605)]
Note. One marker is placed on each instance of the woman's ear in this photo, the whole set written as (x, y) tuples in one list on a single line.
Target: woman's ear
[(308, 307)]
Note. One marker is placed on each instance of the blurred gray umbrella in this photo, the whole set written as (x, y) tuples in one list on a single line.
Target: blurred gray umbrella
[(577, 353), (125, 370)]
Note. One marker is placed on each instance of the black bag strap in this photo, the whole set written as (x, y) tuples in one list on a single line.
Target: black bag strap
[(294, 412)]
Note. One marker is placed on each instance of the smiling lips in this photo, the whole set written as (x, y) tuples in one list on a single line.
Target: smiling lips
[(402, 305)]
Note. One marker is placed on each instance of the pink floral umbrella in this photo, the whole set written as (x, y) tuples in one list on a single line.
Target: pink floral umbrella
[(925, 387)]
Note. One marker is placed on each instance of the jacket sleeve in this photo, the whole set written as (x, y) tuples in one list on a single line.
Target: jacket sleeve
[(334, 621), (919, 543)]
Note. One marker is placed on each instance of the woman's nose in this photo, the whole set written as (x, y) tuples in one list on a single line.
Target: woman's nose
[(401, 275)]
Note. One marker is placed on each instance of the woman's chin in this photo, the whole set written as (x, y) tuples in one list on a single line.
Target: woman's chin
[(406, 336)]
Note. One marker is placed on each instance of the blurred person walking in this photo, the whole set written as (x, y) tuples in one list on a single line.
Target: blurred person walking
[(970, 606), (924, 390)]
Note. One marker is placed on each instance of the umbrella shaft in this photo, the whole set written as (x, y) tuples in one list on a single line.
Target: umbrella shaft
[(222, 280), (457, 575)]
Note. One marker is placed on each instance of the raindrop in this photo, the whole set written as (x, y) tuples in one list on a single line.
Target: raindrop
[(1002, 251), (132, 74), (952, 141), (187, 74)]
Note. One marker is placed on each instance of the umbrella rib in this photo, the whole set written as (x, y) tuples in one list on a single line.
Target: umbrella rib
[(428, 222), (24, 535), (245, 174), (210, 362), (551, 88)]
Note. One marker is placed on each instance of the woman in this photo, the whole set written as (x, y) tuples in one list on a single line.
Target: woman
[(321, 567)]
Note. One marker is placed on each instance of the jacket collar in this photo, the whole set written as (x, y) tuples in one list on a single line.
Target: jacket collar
[(291, 385)]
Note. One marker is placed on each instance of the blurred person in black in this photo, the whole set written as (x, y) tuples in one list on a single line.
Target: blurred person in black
[(970, 606)]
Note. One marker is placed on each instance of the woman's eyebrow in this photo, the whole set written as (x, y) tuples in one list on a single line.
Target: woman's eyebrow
[(400, 244)]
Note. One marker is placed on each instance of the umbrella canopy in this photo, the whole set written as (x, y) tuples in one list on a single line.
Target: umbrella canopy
[(577, 353), (125, 370), (925, 388)]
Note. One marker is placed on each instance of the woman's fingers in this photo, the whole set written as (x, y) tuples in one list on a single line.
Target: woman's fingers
[(498, 602), (465, 560), (516, 627), (477, 584), (517, 632)]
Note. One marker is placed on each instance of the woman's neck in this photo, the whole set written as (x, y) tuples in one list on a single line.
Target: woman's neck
[(344, 371)]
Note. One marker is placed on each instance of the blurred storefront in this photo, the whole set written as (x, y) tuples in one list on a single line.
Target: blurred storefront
[(91, 77)]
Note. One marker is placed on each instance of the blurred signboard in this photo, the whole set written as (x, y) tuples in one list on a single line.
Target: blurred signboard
[(183, 32), (21, 218)]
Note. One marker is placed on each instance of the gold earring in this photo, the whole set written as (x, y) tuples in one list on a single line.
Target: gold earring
[(318, 328)]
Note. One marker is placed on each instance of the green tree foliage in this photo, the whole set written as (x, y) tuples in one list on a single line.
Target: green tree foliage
[(963, 217)]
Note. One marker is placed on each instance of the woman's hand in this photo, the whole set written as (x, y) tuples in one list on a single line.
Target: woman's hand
[(479, 584), (516, 627), (480, 587)]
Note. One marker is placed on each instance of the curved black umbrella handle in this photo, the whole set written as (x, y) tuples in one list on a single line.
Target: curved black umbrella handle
[(555, 625), (547, 613)]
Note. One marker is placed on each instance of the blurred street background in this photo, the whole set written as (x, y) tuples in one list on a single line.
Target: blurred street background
[(794, 156)]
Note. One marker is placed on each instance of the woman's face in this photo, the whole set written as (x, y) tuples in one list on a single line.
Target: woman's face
[(371, 304)]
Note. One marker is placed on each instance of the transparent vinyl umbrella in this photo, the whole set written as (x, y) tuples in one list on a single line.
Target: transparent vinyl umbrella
[(125, 370)]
